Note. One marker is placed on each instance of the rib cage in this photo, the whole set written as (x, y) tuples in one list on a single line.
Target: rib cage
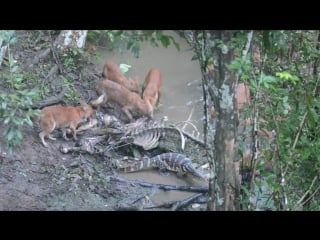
[(148, 134)]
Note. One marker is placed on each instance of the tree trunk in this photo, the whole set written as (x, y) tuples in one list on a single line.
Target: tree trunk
[(71, 39), (223, 197)]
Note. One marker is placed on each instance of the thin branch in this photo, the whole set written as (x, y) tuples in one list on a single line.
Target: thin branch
[(311, 196), (306, 193), (246, 49), (302, 122), (189, 117), (54, 54)]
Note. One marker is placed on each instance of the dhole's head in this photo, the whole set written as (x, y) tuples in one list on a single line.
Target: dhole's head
[(87, 109), (134, 84), (111, 70), (149, 109)]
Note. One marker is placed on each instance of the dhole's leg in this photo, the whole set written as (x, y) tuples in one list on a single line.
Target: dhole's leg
[(42, 135), (48, 126), (74, 134), (64, 133), (156, 100), (127, 112), (74, 131), (52, 138), (150, 109), (159, 95)]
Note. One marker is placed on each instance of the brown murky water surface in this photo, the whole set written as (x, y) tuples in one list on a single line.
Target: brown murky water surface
[(181, 95)]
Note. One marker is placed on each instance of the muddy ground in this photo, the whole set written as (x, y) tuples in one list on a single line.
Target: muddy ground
[(39, 178)]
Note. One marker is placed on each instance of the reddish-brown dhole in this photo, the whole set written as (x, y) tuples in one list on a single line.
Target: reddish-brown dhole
[(129, 101), (58, 116), (112, 72), (151, 90)]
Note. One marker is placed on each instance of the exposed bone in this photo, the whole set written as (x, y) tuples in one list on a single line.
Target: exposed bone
[(153, 142), (89, 125)]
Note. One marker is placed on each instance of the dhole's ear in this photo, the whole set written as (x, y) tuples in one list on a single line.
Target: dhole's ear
[(135, 81), (84, 105), (104, 71), (135, 84)]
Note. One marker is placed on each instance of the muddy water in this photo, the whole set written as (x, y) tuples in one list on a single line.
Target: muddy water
[(181, 95)]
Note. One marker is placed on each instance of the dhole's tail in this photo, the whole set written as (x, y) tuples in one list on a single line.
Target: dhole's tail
[(102, 99)]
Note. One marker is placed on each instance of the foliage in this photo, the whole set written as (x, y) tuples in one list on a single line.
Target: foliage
[(287, 92), (71, 93), (122, 40), (281, 68), (294, 97), (17, 98), (73, 59)]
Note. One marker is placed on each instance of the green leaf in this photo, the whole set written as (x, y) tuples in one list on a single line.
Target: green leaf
[(311, 118), (265, 174), (177, 45), (159, 34), (14, 68), (19, 135), (13, 40), (124, 67), (268, 79), (258, 183), (18, 79), (287, 76), (7, 120), (165, 41), (245, 190), (266, 39), (10, 135), (130, 44), (17, 121), (28, 121), (117, 33), (148, 33), (153, 42), (136, 50), (195, 57), (4, 105)]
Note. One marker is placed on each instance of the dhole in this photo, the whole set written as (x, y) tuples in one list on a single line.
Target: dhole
[(61, 116), (112, 72), (151, 90), (130, 101)]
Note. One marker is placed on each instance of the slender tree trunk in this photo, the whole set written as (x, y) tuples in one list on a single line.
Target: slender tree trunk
[(226, 187)]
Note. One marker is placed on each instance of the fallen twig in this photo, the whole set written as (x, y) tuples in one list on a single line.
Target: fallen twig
[(51, 100), (35, 60)]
